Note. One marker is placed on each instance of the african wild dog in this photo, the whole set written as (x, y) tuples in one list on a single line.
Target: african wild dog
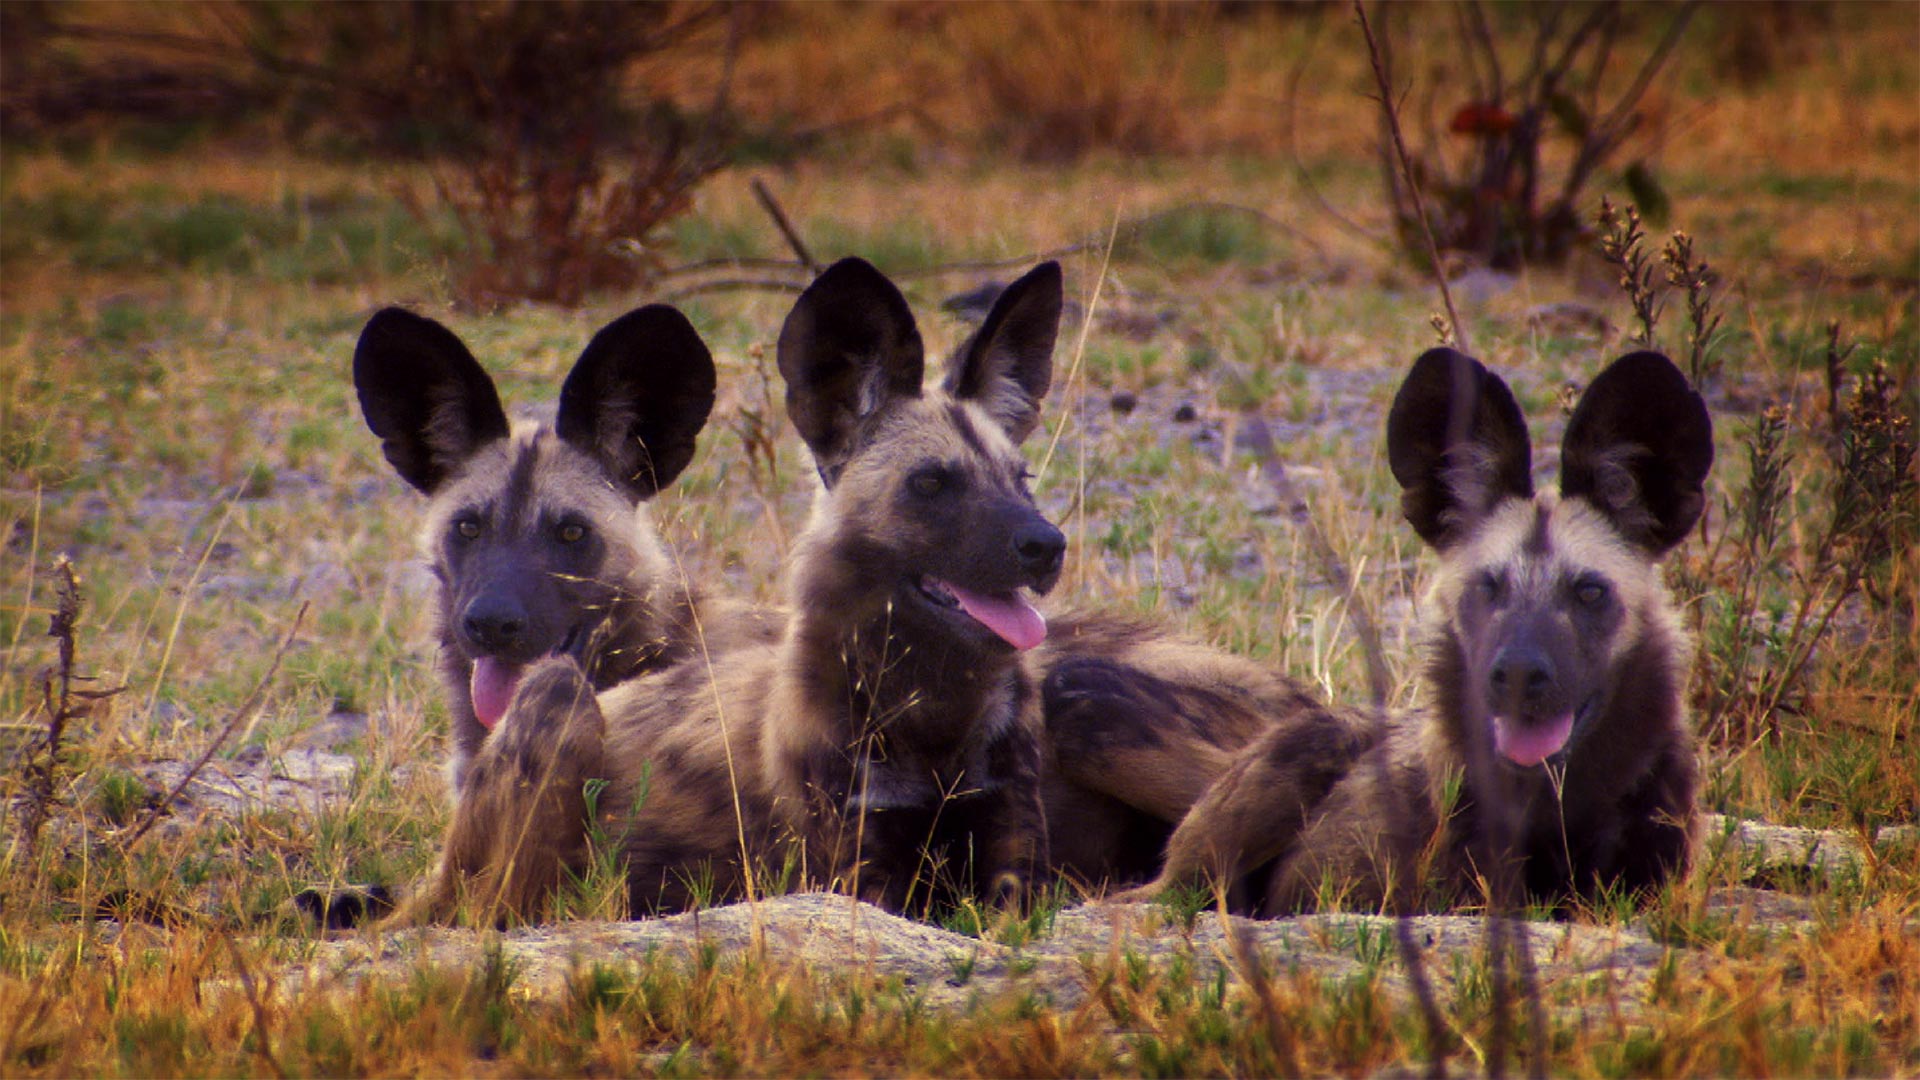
[(891, 737), (1554, 752), (537, 537), (1140, 722)]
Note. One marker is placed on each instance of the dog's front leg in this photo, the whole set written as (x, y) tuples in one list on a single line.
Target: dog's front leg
[(521, 819)]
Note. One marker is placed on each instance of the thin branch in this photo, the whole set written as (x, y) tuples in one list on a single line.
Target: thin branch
[(1379, 686), (703, 159), (1474, 28), (1604, 135), (1406, 168), (243, 712), (58, 698), (779, 216), (1305, 179)]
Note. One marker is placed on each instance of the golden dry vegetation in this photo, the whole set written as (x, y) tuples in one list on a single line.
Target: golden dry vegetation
[(180, 304)]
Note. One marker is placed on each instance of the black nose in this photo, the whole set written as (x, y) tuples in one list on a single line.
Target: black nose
[(494, 623), (1521, 673), (1040, 547)]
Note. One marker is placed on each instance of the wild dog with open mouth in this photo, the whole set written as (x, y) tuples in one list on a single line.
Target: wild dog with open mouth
[(538, 537), (891, 738), (1554, 753)]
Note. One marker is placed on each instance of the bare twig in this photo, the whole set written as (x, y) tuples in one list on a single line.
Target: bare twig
[(62, 702), (779, 216), (59, 698), (1604, 135), (697, 164), (1406, 169), (1260, 440), (1836, 365), (240, 714)]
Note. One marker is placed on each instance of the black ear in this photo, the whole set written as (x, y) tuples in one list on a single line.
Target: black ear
[(1007, 365), (1638, 447), (1457, 443), (638, 396), (425, 395), (848, 347)]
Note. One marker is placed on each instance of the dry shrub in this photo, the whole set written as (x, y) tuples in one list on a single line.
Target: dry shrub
[(1533, 108), (556, 175), (549, 140)]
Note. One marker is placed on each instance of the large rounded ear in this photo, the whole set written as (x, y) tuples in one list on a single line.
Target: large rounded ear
[(848, 347), (1007, 365), (638, 396), (1638, 448), (425, 396), (1457, 443)]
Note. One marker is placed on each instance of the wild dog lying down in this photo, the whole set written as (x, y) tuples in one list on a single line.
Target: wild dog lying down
[(891, 737), (537, 537), (1140, 722), (1554, 750)]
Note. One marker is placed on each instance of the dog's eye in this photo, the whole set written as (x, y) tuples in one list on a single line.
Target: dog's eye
[(571, 532), (1493, 587), (928, 482), (467, 528), (1591, 593)]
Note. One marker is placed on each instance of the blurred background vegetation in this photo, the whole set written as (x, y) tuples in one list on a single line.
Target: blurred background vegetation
[(554, 144)]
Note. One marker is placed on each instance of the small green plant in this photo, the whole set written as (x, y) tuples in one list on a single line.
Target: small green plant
[(1184, 902), (1621, 245), (963, 966), (599, 890), (1685, 271)]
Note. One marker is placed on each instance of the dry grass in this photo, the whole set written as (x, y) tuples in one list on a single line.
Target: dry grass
[(176, 417)]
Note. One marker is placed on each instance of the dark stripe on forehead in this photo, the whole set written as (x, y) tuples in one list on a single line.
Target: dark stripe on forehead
[(1539, 541), (516, 504), (963, 424)]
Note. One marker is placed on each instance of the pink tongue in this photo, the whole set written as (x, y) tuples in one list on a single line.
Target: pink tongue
[(1531, 744), (1010, 616), (493, 685)]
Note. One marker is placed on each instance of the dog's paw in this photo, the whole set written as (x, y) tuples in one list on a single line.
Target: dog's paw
[(343, 907), (553, 711)]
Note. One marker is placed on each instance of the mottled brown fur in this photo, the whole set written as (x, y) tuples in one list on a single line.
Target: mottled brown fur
[(1140, 723), (889, 741), (538, 537), (1547, 606)]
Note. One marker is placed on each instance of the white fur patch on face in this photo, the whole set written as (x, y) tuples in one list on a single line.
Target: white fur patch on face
[(1535, 543)]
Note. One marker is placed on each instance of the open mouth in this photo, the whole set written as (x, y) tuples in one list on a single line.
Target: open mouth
[(494, 680), (1529, 741), (1008, 615)]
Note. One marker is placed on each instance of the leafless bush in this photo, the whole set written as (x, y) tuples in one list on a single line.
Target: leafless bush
[(551, 137), (1492, 189), (63, 702), (559, 179)]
